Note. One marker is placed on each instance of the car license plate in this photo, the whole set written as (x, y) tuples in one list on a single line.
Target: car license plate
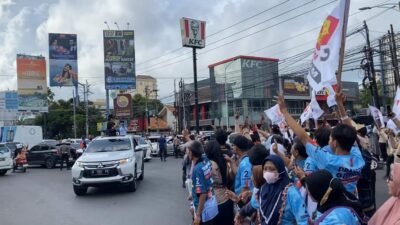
[(100, 172), (2, 159)]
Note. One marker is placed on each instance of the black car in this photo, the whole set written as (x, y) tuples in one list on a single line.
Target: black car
[(43, 154)]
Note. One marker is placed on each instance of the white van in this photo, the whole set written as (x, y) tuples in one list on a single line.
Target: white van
[(6, 161), (27, 135)]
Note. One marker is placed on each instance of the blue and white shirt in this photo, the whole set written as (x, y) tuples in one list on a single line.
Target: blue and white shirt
[(243, 175)]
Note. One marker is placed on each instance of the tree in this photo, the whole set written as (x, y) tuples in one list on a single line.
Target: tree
[(60, 119), (366, 97), (139, 106)]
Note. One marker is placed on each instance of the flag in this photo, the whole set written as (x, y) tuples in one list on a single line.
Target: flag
[(377, 115), (396, 103), (306, 113), (326, 54), (330, 92), (391, 125), (316, 110), (275, 115), (312, 110)]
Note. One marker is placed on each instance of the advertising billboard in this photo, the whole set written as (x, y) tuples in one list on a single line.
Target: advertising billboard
[(123, 106), (193, 33), (63, 56), (295, 85), (32, 85), (119, 59)]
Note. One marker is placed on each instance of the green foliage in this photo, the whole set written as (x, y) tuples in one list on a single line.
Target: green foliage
[(139, 105), (59, 121)]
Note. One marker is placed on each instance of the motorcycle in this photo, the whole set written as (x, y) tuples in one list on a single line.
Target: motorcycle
[(21, 165)]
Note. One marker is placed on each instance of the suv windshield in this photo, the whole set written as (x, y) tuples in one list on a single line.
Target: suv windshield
[(109, 145), (3, 149)]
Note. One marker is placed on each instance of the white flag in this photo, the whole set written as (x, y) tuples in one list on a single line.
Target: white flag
[(275, 115), (306, 113), (330, 100), (325, 59), (316, 110), (377, 115), (391, 125), (396, 103)]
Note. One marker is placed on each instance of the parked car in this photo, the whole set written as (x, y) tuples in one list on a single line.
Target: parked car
[(146, 147), (43, 154), (49, 142), (109, 160), (6, 161), (154, 144)]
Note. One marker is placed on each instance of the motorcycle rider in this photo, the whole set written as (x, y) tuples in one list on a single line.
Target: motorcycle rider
[(20, 156)]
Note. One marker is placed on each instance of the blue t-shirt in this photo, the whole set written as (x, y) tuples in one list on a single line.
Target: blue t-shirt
[(295, 209), (339, 216), (345, 167), (201, 179), (243, 175), (310, 166)]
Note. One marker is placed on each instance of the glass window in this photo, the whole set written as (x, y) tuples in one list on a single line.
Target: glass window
[(35, 148), (110, 145), (3, 149), (44, 147), (142, 141)]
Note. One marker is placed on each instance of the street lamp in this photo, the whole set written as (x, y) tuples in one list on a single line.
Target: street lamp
[(226, 95), (383, 6)]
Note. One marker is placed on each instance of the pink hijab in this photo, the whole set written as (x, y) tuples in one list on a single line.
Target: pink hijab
[(389, 212)]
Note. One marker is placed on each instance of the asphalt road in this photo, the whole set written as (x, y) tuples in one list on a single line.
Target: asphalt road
[(45, 197)]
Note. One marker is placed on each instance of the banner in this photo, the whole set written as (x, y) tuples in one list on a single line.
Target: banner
[(325, 59), (378, 117), (296, 86), (32, 85), (123, 106), (396, 103), (63, 56), (119, 59), (275, 115), (306, 113), (391, 125)]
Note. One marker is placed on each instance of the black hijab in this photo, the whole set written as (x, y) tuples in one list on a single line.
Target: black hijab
[(271, 194), (318, 184)]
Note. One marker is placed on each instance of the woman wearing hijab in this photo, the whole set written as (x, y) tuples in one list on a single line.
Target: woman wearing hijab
[(389, 212), (334, 206), (280, 201)]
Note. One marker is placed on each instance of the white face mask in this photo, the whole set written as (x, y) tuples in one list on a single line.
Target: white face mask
[(271, 177)]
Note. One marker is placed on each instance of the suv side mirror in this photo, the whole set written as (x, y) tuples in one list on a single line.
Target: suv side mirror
[(138, 149)]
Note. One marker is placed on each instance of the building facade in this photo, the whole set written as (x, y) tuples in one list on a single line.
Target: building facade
[(144, 82)]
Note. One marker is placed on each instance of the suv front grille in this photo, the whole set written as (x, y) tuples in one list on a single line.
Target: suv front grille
[(96, 173)]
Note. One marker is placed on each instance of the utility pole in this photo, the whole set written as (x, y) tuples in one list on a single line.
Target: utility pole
[(87, 108), (176, 121), (371, 67), (158, 128), (196, 94), (74, 103), (383, 74), (146, 90), (182, 100), (393, 50)]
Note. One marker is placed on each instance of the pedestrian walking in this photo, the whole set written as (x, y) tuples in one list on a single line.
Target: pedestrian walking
[(65, 154), (162, 145)]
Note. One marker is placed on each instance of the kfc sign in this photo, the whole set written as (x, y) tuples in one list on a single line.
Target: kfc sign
[(193, 33)]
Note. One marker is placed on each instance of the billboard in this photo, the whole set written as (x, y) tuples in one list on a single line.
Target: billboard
[(9, 100), (193, 33), (295, 85), (63, 55), (123, 106), (32, 85), (119, 59)]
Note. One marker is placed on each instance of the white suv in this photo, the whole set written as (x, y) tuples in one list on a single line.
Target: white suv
[(6, 161), (109, 160)]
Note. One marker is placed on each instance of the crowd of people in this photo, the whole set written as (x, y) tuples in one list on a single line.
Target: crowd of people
[(287, 177)]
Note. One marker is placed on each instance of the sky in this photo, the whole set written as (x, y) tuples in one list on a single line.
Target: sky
[(25, 24)]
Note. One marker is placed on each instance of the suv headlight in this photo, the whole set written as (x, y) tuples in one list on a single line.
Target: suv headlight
[(127, 160), (79, 164)]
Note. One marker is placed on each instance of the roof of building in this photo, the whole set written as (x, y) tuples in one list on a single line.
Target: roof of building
[(167, 107), (243, 57), (145, 77)]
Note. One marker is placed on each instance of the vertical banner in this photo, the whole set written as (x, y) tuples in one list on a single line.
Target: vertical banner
[(63, 55), (32, 85), (123, 106), (119, 59)]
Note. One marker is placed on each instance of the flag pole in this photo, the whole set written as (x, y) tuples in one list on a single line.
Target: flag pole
[(343, 43)]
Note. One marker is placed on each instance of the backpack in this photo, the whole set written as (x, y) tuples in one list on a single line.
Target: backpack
[(366, 184)]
